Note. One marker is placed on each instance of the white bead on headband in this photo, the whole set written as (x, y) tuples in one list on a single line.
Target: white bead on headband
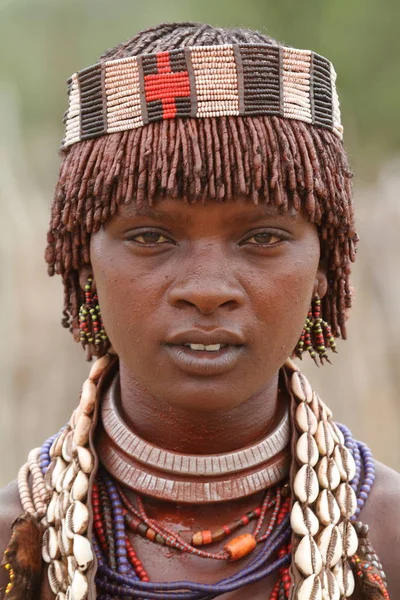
[(202, 81)]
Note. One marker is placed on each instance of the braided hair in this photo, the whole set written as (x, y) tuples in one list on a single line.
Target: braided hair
[(270, 159)]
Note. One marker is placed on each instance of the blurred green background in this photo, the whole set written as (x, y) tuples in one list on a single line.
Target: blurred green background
[(42, 42)]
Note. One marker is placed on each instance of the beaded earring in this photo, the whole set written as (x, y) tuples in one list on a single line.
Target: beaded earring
[(316, 336), (90, 322)]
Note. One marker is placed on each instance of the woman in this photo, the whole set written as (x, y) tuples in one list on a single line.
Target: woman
[(204, 203)]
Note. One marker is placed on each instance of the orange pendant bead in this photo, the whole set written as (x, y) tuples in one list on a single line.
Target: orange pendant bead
[(240, 546)]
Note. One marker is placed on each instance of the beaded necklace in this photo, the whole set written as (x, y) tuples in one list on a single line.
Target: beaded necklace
[(121, 572), (205, 537), (328, 545), (110, 582), (115, 552)]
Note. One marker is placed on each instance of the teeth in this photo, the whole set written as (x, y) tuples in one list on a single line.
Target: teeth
[(209, 348)]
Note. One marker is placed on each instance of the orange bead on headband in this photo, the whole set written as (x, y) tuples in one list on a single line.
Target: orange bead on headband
[(202, 81)]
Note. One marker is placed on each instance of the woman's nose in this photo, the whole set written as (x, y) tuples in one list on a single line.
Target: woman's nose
[(206, 290)]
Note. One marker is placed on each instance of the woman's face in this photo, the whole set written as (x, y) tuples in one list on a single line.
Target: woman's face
[(203, 304)]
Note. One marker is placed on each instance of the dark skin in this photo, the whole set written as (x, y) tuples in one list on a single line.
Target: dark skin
[(233, 266)]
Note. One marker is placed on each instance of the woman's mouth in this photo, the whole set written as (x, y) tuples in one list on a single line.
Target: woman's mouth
[(205, 359), (209, 348)]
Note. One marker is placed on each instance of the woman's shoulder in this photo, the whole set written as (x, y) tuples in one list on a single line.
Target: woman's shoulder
[(382, 513), (10, 509)]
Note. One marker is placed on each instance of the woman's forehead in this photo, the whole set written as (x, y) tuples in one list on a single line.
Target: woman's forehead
[(236, 210)]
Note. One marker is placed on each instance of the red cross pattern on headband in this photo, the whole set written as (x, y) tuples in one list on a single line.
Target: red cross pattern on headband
[(166, 86)]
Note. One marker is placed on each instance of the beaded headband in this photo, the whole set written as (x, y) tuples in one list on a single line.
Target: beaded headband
[(202, 81)]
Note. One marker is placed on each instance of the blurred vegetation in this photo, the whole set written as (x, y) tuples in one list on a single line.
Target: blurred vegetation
[(42, 42)]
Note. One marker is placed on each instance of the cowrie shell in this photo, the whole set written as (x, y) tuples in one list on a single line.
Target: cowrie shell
[(85, 459), (305, 484), (56, 447), (67, 447), (82, 552), (301, 387), (330, 545), (328, 473), (346, 499), (310, 588), (344, 577), (72, 566), (72, 423), (306, 449), (55, 469), (63, 504), (99, 367), (50, 549), (67, 529), (308, 557), (324, 439), (350, 538), (64, 543), (60, 480), (80, 486), (82, 430), (327, 508), (57, 575), (88, 397), (79, 587), (77, 517), (306, 421), (324, 410), (67, 540), (314, 405), (345, 463), (302, 520), (69, 477), (50, 513), (330, 587), (336, 433)]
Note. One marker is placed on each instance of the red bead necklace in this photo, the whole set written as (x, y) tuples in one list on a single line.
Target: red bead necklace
[(137, 520)]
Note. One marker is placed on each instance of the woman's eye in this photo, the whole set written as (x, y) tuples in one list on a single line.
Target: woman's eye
[(150, 237), (264, 238)]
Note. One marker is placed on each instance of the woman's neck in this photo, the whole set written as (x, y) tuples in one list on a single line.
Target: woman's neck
[(190, 432)]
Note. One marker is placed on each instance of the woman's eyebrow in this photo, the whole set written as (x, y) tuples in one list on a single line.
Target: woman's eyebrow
[(246, 215), (147, 211), (269, 211)]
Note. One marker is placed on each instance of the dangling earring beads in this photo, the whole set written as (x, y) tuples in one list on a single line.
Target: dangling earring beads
[(90, 321), (316, 335)]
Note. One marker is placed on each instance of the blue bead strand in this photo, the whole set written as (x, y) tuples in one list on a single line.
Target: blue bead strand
[(123, 565)]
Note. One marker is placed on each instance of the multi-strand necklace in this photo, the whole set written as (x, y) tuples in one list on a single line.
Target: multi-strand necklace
[(121, 570), (122, 574), (86, 512)]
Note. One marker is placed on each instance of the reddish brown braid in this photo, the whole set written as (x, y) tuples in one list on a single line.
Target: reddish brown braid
[(279, 161)]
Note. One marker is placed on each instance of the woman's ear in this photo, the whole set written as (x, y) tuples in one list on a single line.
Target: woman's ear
[(84, 273), (321, 279)]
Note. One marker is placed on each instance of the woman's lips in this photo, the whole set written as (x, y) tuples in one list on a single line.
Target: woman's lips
[(205, 362)]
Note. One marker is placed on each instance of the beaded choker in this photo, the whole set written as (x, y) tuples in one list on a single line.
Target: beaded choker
[(196, 479), (202, 81)]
